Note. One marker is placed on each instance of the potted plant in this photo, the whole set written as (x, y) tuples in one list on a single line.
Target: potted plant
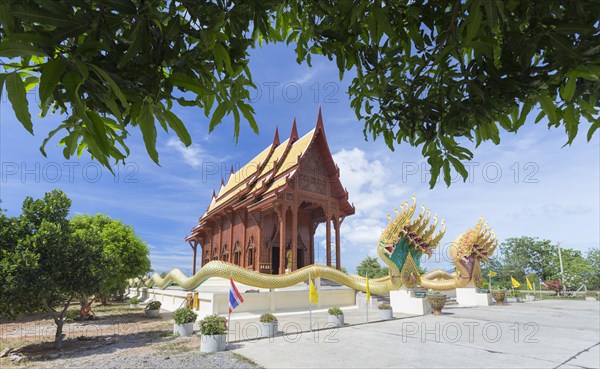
[(134, 302), (499, 296), (268, 325), (184, 321), (385, 311), (437, 301), (336, 316), (153, 309), (213, 329)]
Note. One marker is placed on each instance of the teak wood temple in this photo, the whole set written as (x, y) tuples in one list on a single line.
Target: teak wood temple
[(265, 217)]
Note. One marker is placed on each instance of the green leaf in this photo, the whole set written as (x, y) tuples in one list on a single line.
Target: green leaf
[(568, 90), (571, 123), (177, 125), (504, 122), (113, 85), (447, 177), (99, 131), (248, 112), (460, 168), (221, 56), (50, 76), (50, 135), (33, 14), (593, 129), (548, 107), (18, 98), (2, 78), (187, 83), (15, 49), (148, 128), (218, 115), (473, 21)]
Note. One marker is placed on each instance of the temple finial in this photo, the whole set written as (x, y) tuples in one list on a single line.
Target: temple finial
[(320, 119), (294, 134), (231, 172), (222, 182), (214, 194), (276, 138)]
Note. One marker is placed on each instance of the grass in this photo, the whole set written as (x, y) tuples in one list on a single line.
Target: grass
[(245, 359), (176, 347)]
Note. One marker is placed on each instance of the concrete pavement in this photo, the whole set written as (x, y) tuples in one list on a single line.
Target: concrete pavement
[(540, 334)]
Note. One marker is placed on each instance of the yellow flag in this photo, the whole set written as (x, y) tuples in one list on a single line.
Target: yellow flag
[(529, 286), (368, 291), (515, 283), (492, 273), (313, 295)]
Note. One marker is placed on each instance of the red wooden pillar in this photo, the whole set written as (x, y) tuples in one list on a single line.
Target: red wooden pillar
[(294, 238), (328, 239), (337, 244), (282, 227)]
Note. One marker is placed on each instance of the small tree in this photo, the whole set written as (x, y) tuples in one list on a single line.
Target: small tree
[(370, 267), (125, 254), (43, 265)]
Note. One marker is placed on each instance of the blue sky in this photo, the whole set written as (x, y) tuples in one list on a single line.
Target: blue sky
[(528, 185)]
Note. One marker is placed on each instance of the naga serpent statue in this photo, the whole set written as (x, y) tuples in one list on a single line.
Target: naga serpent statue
[(401, 246)]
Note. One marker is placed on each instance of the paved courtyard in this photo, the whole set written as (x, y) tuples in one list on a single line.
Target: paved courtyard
[(540, 334)]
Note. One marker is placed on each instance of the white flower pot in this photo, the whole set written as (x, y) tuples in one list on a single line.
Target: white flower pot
[(134, 306), (336, 320), (268, 329), (152, 313), (386, 314), (213, 343), (183, 330)]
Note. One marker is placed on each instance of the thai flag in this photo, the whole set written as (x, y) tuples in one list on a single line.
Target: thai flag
[(235, 297), (542, 283)]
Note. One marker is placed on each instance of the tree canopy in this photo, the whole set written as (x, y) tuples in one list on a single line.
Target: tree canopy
[(521, 256), (431, 74), (43, 267), (47, 260), (371, 268), (125, 254)]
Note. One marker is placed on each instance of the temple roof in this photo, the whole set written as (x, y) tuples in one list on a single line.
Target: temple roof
[(269, 173)]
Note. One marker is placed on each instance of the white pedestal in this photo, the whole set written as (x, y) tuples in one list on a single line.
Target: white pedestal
[(403, 301), (470, 297)]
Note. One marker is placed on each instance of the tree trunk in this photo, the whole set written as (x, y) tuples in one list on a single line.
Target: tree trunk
[(59, 320), (59, 336), (83, 303)]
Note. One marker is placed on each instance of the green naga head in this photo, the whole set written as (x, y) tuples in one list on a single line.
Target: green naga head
[(404, 241)]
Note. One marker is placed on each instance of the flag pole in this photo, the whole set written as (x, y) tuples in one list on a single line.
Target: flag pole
[(367, 298), (309, 305), (229, 314)]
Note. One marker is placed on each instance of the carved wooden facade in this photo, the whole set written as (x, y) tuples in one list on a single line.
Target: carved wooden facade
[(274, 204)]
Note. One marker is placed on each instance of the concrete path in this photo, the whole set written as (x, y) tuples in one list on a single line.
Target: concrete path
[(541, 334)]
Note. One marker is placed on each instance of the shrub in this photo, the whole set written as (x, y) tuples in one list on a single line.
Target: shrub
[(335, 311), (213, 324), (134, 301), (72, 315), (154, 305), (184, 315), (384, 306), (267, 318)]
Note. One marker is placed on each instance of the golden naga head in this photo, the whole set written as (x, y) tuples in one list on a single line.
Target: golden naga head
[(418, 232), (478, 243)]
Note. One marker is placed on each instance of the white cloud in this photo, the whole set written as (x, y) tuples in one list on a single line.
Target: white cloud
[(374, 191), (192, 155)]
